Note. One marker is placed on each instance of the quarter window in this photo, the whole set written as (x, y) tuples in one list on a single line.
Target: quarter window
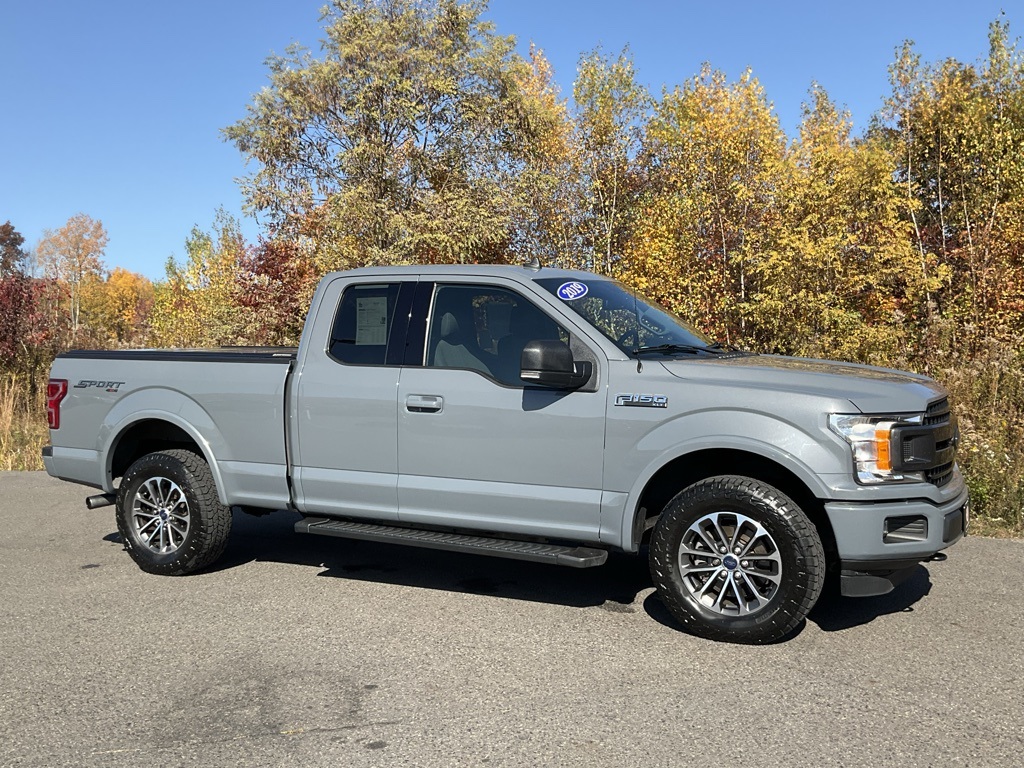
[(363, 324)]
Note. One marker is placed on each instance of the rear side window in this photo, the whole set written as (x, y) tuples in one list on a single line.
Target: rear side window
[(363, 324)]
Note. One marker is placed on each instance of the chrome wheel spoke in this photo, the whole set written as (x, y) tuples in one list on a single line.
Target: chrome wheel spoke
[(760, 536), (711, 545), (721, 593), (685, 569), (744, 604), (712, 580), (736, 582), (152, 488), (142, 528), (698, 553), (147, 502), (726, 541)]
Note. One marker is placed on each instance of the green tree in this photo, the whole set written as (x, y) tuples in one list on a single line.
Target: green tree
[(196, 306), (403, 141)]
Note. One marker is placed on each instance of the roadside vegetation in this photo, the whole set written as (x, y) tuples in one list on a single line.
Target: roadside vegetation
[(416, 134)]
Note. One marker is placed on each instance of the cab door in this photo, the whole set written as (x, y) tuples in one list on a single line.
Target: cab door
[(477, 448), (345, 430)]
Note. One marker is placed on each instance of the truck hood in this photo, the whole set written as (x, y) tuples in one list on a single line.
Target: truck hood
[(870, 389)]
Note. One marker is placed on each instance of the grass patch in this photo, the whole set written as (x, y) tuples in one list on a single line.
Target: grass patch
[(23, 430), (988, 396)]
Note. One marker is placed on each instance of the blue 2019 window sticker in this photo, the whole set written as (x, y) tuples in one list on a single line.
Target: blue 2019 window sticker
[(572, 291)]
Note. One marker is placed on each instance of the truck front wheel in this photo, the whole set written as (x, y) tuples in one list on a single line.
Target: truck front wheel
[(168, 513), (735, 559)]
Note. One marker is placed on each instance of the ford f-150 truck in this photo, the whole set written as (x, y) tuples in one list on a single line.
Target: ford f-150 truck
[(530, 413)]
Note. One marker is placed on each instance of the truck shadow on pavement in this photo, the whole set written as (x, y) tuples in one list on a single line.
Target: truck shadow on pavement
[(271, 538), (616, 586), (834, 613)]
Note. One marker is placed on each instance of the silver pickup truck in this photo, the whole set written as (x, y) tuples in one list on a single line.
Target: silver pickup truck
[(529, 413)]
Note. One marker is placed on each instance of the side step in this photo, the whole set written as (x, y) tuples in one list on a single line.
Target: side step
[(574, 557)]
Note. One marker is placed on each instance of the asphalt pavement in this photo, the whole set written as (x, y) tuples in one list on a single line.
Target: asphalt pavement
[(305, 651)]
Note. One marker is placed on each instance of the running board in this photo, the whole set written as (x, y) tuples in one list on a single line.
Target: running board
[(574, 557)]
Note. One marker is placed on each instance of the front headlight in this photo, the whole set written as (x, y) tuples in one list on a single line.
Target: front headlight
[(870, 437)]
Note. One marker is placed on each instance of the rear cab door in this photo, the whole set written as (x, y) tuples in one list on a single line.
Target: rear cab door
[(344, 433)]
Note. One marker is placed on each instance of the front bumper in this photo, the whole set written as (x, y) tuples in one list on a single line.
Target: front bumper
[(880, 544)]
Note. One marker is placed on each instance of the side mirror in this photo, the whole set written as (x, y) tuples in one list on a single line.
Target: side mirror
[(549, 364)]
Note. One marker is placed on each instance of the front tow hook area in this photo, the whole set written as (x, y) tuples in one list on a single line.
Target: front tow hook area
[(860, 578)]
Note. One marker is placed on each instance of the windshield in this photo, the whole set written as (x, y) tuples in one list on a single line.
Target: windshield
[(629, 320)]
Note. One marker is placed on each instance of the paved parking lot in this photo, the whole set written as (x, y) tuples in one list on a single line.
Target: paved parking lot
[(302, 651)]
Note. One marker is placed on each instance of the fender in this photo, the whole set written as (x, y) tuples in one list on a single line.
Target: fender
[(807, 456), (141, 405)]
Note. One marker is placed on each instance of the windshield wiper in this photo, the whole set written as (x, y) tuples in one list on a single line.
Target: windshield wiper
[(714, 349)]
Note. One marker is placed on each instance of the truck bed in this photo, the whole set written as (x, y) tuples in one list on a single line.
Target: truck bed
[(229, 401)]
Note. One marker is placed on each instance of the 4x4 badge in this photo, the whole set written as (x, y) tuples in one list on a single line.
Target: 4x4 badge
[(642, 401)]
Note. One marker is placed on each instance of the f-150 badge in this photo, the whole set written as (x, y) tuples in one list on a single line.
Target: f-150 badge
[(636, 400)]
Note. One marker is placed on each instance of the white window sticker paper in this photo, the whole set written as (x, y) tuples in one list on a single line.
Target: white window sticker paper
[(372, 320)]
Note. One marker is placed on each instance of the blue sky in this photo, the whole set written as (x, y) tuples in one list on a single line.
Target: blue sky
[(114, 108)]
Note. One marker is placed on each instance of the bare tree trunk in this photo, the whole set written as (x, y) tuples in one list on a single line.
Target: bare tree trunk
[(917, 232)]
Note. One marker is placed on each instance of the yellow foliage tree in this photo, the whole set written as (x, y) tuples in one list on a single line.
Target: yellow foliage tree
[(117, 309), (717, 173), (197, 306)]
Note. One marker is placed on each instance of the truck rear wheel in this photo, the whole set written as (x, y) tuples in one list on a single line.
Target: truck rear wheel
[(168, 513), (735, 559)]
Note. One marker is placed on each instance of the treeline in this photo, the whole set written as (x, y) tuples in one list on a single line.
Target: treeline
[(416, 134)]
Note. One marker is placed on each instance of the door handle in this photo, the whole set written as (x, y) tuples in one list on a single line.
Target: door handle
[(424, 403)]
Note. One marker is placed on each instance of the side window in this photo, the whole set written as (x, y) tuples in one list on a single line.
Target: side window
[(363, 324), (484, 328)]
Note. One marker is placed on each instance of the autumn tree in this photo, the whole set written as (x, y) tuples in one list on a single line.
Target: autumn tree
[(195, 306), (957, 131), (16, 303), (12, 256), (275, 285), (15, 294), (71, 254), (117, 309), (402, 141), (548, 223), (611, 111), (841, 280), (717, 173)]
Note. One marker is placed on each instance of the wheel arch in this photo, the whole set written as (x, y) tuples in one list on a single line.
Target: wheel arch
[(679, 472), (151, 432)]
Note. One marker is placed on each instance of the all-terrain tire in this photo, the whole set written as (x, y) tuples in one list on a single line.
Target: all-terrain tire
[(170, 518), (765, 594)]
